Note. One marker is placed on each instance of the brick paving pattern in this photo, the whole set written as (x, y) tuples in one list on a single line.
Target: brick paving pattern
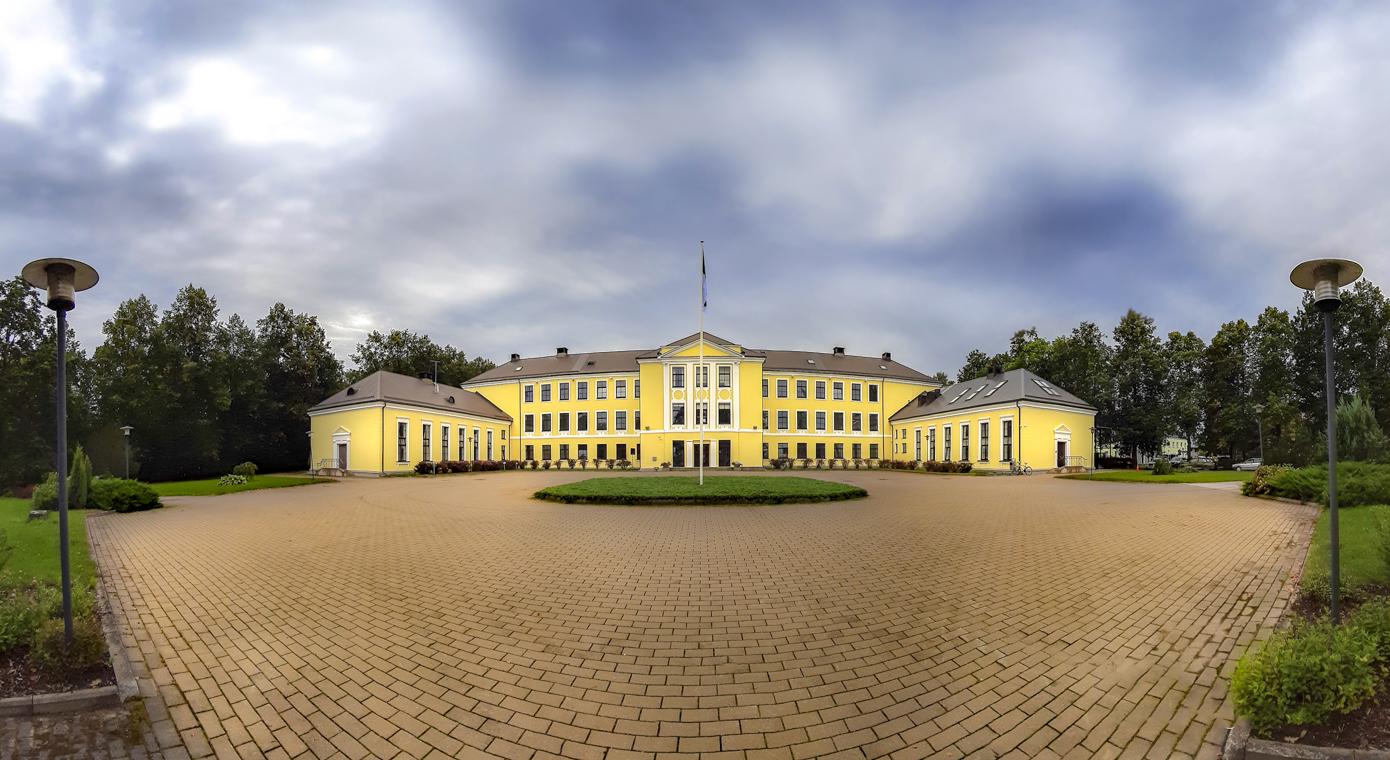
[(454, 617)]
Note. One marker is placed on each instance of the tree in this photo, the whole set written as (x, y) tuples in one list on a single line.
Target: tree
[(943, 378), (1186, 394), (1140, 374), (406, 353), (1081, 363), (976, 365), (299, 370), (1359, 435), (1230, 424)]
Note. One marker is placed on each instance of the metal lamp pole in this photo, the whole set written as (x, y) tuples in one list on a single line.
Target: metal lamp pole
[(126, 429), (1260, 421), (1324, 277), (62, 278)]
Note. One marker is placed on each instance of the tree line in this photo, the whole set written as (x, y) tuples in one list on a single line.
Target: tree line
[(1147, 386), (202, 393)]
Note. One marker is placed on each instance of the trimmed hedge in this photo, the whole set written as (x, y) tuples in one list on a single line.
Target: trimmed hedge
[(718, 489), (121, 495)]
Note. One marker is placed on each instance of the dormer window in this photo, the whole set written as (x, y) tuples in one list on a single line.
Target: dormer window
[(351, 391)]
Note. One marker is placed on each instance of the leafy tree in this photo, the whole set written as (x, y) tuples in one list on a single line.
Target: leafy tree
[(298, 370), (1183, 353), (1081, 363), (407, 353), (943, 378), (1140, 419), (1230, 424), (976, 365)]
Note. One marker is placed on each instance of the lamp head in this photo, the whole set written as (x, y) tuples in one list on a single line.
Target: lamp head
[(1259, 408), (126, 429), (62, 278), (1324, 277)]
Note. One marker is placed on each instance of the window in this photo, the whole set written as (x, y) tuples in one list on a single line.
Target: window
[(703, 375), (620, 420), (564, 394), (820, 451), (726, 376), (601, 392), (530, 393), (764, 444), (801, 389), (402, 446), (964, 441), (1006, 449), (873, 399), (702, 413), (820, 421), (565, 451), (839, 422), (564, 423), (477, 442), (858, 450), (856, 420), (873, 448), (444, 441), (820, 390), (781, 451), (764, 419), (601, 422), (945, 443), (855, 393), (530, 421), (781, 389), (984, 441), (545, 391), (581, 391), (801, 421), (873, 422), (726, 413), (602, 451), (637, 420), (991, 391), (530, 453), (463, 452), (425, 439), (545, 422), (801, 451), (637, 389), (489, 444), (782, 419), (678, 377), (1044, 385), (678, 414), (545, 452), (581, 422), (839, 391), (839, 451), (764, 394), (584, 451), (931, 444), (622, 452), (619, 389)]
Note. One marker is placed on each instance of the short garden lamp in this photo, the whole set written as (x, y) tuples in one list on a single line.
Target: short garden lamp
[(1324, 277), (1260, 426), (126, 430), (63, 279)]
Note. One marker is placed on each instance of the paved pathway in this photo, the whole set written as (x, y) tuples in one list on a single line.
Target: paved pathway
[(942, 617)]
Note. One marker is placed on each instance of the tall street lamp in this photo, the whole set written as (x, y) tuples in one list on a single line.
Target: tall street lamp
[(62, 278), (1260, 421), (126, 429), (1324, 277)]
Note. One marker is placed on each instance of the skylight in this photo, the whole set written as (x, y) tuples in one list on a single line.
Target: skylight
[(995, 388), (810, 361), (977, 390), (958, 395), (1043, 384)]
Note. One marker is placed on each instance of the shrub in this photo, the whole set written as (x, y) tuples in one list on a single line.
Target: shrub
[(1373, 617), (50, 650), (231, 480), (571, 463), (820, 464), (1359, 436), (858, 463), (121, 495), (1162, 466), (806, 464), (1382, 518), (545, 465), (1358, 484), (1305, 674), (424, 467), (79, 480), (610, 463), (22, 609), (46, 493), (1259, 484), (246, 470)]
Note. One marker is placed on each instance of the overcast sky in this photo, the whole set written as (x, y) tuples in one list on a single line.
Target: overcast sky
[(515, 176)]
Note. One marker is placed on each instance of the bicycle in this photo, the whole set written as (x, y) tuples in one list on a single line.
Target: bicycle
[(1019, 468)]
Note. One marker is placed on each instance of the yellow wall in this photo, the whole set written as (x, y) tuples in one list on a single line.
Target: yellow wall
[(510, 398), (367, 444), (1036, 430)]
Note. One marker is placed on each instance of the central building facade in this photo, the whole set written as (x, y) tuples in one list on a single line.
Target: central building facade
[(650, 406)]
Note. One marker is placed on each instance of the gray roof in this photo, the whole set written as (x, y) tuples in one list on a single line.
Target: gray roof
[(609, 362), (389, 386), (1018, 385)]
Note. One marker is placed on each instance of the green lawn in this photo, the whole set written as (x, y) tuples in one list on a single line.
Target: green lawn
[(36, 544), (718, 489), (209, 487), (1147, 476), (1360, 548)]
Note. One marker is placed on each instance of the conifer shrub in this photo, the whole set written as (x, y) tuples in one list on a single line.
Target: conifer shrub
[(119, 495)]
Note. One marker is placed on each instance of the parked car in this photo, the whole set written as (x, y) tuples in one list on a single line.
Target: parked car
[(1201, 463), (1249, 464)]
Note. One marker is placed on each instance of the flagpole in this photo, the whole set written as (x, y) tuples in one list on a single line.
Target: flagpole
[(700, 370)]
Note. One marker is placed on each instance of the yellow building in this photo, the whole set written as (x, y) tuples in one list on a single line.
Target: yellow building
[(386, 422), (993, 420)]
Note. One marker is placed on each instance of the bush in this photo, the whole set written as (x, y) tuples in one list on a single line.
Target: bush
[(22, 609), (1306, 674), (246, 470), (231, 480), (1162, 466), (1358, 484), (121, 495), (45, 494), (1259, 484), (79, 480), (50, 650), (424, 468)]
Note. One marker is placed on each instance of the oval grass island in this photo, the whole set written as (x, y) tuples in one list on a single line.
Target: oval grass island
[(683, 490)]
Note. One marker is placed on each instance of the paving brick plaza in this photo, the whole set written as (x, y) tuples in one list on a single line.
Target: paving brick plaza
[(944, 616)]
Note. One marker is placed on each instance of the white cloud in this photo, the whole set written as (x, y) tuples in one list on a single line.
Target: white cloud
[(36, 55)]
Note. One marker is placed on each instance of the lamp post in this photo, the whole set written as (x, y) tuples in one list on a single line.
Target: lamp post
[(126, 429), (1324, 277), (1260, 421), (62, 278)]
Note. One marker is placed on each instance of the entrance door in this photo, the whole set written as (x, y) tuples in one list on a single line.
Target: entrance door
[(726, 453), (342, 456), (1061, 453), (677, 453), (701, 453)]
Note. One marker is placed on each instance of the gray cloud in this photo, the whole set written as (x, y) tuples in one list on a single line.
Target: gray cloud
[(517, 176)]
